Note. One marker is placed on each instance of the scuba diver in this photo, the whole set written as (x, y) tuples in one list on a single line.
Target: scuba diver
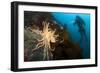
[(81, 27)]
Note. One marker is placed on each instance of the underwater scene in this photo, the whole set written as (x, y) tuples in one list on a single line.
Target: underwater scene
[(56, 36)]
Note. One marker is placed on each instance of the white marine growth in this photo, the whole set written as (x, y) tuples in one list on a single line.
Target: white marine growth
[(48, 36)]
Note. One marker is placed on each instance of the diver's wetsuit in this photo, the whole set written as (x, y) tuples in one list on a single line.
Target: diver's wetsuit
[(80, 23)]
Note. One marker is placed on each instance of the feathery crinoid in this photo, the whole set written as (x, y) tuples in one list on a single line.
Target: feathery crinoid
[(48, 36)]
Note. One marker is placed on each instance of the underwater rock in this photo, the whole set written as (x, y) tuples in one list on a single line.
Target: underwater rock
[(30, 40), (36, 18), (66, 49)]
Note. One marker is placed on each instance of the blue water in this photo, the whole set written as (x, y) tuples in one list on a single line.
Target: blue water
[(68, 19)]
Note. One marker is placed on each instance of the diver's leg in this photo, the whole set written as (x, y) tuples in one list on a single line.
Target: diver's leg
[(81, 36), (85, 36)]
